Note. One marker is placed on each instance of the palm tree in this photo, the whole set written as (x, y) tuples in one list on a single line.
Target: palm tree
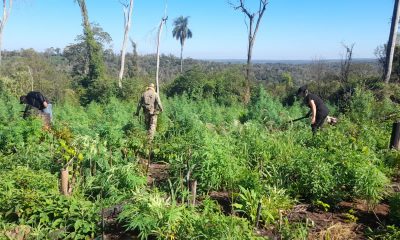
[(181, 32)]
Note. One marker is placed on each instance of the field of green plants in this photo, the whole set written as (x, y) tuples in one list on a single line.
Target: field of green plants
[(251, 152)]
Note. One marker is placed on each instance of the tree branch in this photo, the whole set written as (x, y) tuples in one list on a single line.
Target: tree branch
[(263, 6), (124, 3), (242, 8)]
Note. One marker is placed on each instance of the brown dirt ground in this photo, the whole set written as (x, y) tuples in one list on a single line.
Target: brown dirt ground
[(347, 222)]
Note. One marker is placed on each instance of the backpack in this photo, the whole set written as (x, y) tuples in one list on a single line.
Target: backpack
[(149, 102)]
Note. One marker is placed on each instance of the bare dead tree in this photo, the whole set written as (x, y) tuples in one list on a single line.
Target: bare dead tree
[(3, 21), (133, 66), (380, 53), (318, 72), (251, 18), (85, 18), (87, 30), (318, 68), (127, 8), (392, 41), (162, 22), (346, 63)]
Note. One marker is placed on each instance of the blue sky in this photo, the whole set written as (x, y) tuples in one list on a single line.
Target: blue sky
[(290, 29)]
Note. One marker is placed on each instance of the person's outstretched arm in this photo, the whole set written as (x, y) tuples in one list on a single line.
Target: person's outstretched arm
[(313, 111), (140, 103)]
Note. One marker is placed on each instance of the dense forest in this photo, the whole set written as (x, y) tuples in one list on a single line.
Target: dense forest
[(219, 166), (53, 70)]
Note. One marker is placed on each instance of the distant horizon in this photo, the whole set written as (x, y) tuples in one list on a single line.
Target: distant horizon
[(239, 60), (283, 60)]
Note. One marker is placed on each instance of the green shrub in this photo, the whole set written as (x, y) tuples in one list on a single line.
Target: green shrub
[(295, 231), (387, 233), (361, 105), (192, 82), (264, 108), (152, 214), (155, 215), (272, 201), (115, 183), (31, 198), (394, 204)]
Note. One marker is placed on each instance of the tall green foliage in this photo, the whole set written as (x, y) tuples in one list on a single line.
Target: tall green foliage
[(94, 82)]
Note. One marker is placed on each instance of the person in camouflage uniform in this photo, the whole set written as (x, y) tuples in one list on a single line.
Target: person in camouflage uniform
[(151, 104)]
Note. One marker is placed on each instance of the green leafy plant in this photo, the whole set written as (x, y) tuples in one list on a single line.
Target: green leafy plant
[(152, 214), (31, 198), (296, 230), (394, 204), (273, 202), (350, 216), (322, 205)]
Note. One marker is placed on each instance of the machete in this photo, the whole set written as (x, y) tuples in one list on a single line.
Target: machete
[(297, 119)]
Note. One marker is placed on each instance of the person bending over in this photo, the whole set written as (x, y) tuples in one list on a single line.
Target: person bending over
[(36, 102), (318, 110)]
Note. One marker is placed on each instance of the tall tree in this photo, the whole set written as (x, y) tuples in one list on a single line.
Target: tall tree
[(162, 22), (181, 32), (96, 69), (392, 41), (128, 7), (77, 53), (3, 21), (251, 18)]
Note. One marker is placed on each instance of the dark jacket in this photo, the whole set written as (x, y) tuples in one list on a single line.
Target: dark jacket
[(36, 99)]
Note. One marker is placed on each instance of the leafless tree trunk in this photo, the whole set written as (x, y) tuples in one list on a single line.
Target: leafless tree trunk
[(86, 26), (193, 187), (3, 21), (31, 77), (64, 176), (252, 32), (127, 25), (318, 68), (380, 53), (162, 22), (133, 66), (317, 74), (85, 18), (392, 41), (345, 64)]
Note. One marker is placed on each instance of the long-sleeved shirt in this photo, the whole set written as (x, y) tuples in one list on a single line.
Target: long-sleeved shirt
[(150, 102)]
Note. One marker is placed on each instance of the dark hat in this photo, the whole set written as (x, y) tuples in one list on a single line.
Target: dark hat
[(302, 89)]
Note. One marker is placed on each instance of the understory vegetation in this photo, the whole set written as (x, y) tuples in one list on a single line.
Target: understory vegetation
[(262, 164), (253, 153)]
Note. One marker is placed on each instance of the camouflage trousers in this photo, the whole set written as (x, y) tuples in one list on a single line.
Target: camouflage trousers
[(150, 121)]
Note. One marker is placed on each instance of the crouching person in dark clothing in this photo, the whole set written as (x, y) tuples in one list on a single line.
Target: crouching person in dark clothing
[(37, 104), (318, 110)]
